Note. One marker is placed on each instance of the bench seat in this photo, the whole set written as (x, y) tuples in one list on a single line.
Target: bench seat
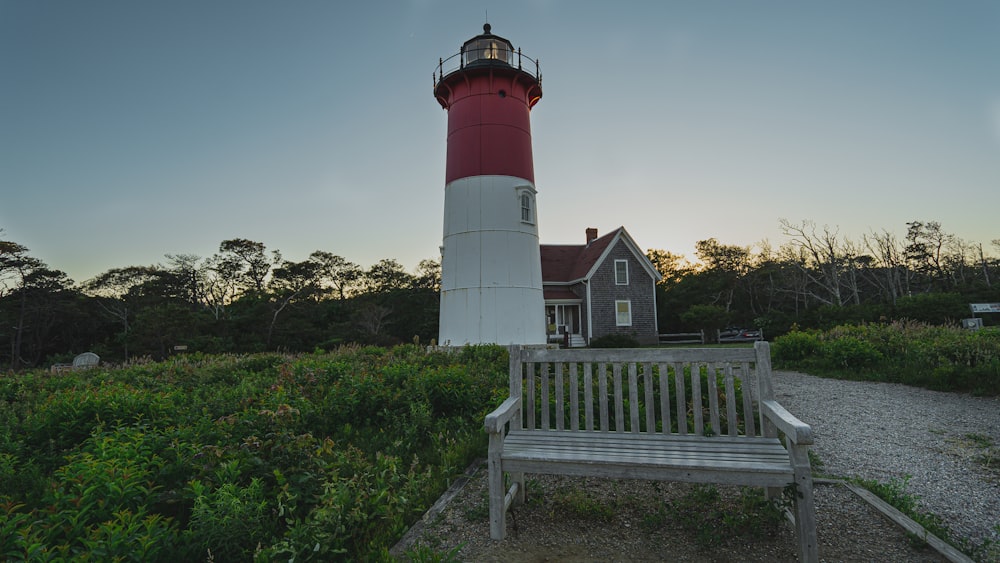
[(695, 459)]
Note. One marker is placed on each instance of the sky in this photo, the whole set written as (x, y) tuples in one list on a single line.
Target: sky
[(131, 130)]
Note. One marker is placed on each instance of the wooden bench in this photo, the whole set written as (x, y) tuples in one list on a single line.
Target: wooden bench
[(701, 415)]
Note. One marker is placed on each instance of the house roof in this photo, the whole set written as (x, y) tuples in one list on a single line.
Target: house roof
[(568, 263), (559, 294)]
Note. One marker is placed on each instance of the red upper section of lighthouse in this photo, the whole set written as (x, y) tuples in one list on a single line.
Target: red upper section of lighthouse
[(489, 98)]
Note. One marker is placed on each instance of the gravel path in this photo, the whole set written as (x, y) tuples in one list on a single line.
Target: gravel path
[(887, 431)]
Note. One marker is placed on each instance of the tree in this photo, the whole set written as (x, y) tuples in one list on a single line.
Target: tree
[(291, 282), (888, 270), (924, 252), (428, 275), (371, 318), (188, 274), (247, 262), (16, 269), (336, 272), (820, 257), (725, 265), (43, 313), (385, 276), (120, 291), (672, 267)]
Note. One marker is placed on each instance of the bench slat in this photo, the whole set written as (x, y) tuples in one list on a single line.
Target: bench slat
[(601, 452), (649, 400), (616, 370), (602, 384), (682, 424), (625, 355), (696, 404), (633, 397), (588, 394), (545, 396), (748, 417), (713, 398), (530, 376), (664, 398), (560, 409), (574, 399), (731, 402), (710, 454)]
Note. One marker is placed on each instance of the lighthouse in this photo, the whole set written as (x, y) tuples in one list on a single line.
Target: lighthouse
[(491, 273)]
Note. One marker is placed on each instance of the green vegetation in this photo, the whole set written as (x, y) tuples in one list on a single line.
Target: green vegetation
[(614, 341), (987, 454), (577, 502), (935, 357), (321, 457), (894, 493)]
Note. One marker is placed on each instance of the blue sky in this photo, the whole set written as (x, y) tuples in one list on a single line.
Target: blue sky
[(129, 130)]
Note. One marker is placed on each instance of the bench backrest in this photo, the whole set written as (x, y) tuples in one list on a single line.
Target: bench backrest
[(699, 391)]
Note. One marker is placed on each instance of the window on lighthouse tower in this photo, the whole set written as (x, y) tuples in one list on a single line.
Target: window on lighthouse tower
[(527, 211)]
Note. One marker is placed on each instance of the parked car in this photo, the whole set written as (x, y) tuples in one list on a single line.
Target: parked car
[(733, 334)]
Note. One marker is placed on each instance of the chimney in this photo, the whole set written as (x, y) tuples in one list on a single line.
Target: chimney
[(591, 235)]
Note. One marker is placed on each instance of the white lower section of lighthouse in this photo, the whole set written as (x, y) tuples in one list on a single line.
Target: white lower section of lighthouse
[(491, 271)]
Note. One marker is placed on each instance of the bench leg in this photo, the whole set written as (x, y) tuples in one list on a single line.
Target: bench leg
[(498, 510), (805, 511), (517, 479)]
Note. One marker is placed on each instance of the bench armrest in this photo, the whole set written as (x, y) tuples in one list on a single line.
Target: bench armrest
[(496, 420), (797, 431)]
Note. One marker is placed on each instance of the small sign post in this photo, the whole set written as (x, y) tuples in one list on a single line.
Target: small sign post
[(976, 323), (984, 307)]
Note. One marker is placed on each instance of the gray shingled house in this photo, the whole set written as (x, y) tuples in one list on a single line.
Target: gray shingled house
[(606, 286)]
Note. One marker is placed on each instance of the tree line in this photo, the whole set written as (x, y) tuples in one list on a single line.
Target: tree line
[(819, 278), (244, 298), (247, 298)]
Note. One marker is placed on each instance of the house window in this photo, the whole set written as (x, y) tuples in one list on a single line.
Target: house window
[(623, 313), (621, 272), (527, 209)]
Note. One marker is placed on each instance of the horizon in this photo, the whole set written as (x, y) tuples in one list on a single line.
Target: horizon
[(134, 131)]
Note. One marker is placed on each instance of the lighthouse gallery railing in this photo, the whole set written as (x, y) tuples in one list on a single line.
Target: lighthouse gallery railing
[(484, 57)]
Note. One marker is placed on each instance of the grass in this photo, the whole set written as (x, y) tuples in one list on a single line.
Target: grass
[(986, 452), (894, 492), (572, 500), (426, 554)]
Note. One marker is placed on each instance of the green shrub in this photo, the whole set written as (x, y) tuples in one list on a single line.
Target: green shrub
[(795, 347), (614, 341), (946, 358), (851, 352)]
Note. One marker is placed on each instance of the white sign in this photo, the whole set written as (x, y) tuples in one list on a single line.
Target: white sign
[(985, 307)]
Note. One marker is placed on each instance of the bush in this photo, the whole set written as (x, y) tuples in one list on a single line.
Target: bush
[(945, 358), (614, 341), (795, 347), (851, 353)]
